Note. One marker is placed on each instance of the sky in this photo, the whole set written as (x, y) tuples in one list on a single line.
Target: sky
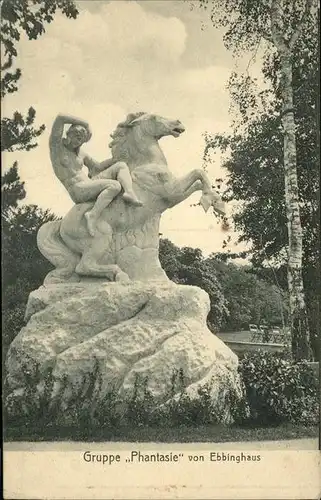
[(119, 57)]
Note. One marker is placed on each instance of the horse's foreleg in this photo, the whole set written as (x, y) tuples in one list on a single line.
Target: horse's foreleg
[(179, 197), (196, 180), (182, 188)]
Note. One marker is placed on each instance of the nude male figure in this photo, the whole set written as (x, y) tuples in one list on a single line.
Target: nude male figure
[(68, 167)]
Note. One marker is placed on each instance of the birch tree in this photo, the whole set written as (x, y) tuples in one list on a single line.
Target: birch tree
[(279, 24), (285, 47)]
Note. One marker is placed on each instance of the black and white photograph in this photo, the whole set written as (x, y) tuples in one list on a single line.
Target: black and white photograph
[(160, 249)]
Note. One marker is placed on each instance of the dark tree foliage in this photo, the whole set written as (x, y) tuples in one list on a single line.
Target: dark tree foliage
[(23, 266), (12, 190), (254, 158), (255, 168), (187, 266), (18, 133), (250, 299), (237, 296)]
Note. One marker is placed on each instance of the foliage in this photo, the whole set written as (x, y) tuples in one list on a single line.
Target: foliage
[(255, 166), (30, 18), (253, 152), (187, 266), (275, 391), (282, 24), (19, 16), (249, 298), (12, 190), (247, 23), (202, 409), (238, 296), (18, 133), (23, 266), (43, 403), (279, 390), (139, 409)]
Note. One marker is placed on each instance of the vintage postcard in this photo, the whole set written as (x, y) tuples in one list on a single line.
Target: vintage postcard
[(160, 237)]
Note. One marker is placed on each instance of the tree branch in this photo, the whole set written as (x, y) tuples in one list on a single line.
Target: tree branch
[(252, 59), (297, 32), (276, 27)]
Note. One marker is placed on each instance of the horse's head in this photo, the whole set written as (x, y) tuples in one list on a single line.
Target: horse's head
[(157, 126), (138, 129)]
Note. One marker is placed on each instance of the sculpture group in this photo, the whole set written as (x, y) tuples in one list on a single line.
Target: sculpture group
[(108, 312), (112, 231)]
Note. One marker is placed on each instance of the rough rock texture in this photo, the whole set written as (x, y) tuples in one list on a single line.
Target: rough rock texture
[(127, 328)]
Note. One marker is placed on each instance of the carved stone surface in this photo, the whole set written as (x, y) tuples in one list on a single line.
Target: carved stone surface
[(133, 328)]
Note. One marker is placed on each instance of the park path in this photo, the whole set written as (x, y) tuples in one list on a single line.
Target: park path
[(289, 444)]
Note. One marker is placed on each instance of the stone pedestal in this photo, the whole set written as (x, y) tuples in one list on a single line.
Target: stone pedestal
[(125, 330)]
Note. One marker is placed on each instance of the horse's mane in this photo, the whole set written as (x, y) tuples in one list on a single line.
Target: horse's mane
[(119, 136)]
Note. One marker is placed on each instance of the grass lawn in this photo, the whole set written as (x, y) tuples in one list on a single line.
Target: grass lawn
[(181, 434)]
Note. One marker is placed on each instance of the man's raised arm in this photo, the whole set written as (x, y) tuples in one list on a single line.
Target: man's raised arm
[(58, 127)]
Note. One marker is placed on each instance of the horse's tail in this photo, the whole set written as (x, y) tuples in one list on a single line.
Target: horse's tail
[(56, 251)]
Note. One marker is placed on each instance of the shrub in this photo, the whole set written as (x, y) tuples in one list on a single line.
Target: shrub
[(279, 390), (12, 322), (183, 410), (275, 391), (139, 405), (86, 412)]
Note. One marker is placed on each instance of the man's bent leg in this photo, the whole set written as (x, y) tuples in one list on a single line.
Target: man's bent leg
[(125, 179), (120, 171), (85, 191), (103, 200)]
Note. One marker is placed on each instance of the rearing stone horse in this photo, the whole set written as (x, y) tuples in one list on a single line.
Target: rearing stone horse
[(125, 245)]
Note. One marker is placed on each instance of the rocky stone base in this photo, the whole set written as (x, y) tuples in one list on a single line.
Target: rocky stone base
[(116, 332)]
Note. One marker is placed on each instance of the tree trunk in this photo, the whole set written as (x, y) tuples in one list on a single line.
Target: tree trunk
[(316, 317), (298, 313)]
